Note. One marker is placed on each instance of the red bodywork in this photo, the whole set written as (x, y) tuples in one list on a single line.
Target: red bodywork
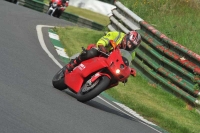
[(75, 79), (59, 3)]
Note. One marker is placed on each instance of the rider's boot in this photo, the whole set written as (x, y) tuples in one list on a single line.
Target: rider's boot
[(73, 63)]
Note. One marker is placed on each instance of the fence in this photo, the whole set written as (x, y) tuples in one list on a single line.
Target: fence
[(160, 59), (41, 7)]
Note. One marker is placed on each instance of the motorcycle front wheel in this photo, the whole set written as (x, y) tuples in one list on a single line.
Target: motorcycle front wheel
[(57, 13), (58, 80), (97, 87), (49, 12)]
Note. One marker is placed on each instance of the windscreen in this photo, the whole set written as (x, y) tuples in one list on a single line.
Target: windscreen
[(127, 56)]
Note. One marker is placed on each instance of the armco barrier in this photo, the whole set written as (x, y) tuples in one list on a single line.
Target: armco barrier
[(40, 6), (160, 59)]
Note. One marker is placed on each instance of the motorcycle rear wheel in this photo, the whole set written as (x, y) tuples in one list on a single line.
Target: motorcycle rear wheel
[(98, 88), (58, 80)]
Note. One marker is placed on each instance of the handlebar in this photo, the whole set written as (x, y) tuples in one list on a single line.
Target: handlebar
[(101, 51)]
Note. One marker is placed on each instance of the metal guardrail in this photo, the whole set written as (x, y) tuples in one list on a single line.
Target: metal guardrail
[(160, 59), (41, 7)]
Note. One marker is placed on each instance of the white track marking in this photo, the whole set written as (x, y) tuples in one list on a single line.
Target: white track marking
[(54, 36), (42, 43), (61, 52), (133, 114)]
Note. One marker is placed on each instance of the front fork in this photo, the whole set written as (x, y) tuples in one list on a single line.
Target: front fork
[(53, 10)]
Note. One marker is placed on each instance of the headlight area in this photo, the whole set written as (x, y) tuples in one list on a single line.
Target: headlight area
[(122, 73), (117, 71), (120, 76)]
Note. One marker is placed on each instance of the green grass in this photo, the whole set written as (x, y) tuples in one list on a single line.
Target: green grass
[(78, 37), (178, 19), (101, 19)]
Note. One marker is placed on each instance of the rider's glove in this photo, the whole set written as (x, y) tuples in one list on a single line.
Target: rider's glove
[(103, 49), (133, 72)]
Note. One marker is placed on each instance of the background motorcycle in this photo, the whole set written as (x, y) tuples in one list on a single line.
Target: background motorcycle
[(95, 75), (56, 8)]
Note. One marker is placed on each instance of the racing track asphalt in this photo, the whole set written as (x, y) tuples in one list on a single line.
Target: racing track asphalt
[(28, 102)]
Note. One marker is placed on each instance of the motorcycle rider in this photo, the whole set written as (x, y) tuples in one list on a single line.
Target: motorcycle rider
[(65, 3), (129, 42)]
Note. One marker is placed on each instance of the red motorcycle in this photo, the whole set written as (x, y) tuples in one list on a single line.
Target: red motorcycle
[(56, 8), (95, 75)]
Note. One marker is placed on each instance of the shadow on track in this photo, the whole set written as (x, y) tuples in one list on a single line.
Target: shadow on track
[(101, 106)]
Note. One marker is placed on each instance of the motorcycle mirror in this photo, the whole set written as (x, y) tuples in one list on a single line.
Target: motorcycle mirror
[(113, 43)]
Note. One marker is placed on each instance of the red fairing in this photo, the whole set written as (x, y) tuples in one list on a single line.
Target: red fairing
[(116, 62), (75, 79), (133, 72), (59, 2)]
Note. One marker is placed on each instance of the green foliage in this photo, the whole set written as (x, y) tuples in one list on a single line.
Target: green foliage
[(196, 87)]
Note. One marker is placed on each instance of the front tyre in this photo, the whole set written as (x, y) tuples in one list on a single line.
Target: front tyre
[(97, 87), (58, 79), (57, 13), (49, 12)]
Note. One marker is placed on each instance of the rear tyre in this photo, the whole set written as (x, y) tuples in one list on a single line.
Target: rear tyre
[(99, 86), (58, 79)]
